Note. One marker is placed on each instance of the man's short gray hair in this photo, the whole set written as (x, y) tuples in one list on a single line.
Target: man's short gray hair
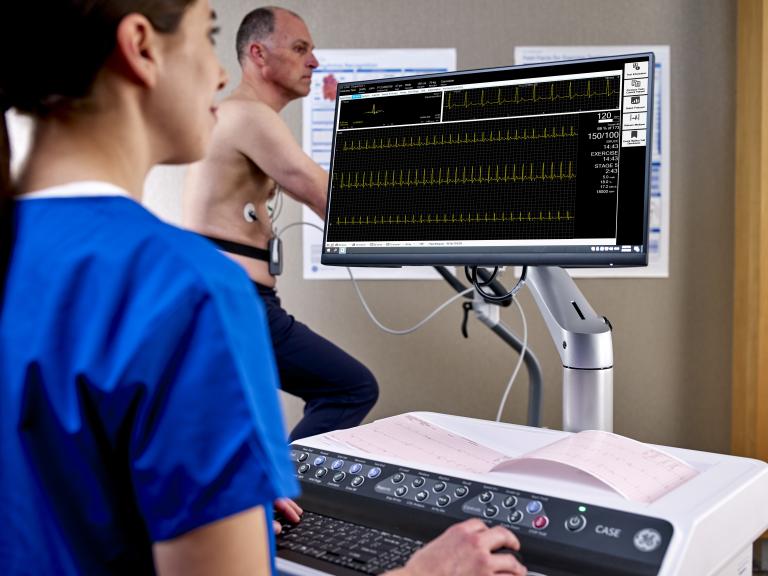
[(257, 26)]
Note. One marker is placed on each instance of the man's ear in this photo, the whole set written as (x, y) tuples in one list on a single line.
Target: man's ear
[(258, 53), (138, 49)]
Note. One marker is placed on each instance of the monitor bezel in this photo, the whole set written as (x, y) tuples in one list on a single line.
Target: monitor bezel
[(470, 256)]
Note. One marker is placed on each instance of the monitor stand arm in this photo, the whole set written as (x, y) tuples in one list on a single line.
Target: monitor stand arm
[(584, 342)]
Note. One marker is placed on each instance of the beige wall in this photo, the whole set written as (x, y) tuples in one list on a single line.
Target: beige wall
[(672, 336)]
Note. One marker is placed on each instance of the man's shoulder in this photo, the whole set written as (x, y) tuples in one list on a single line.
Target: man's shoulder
[(250, 128), (239, 108)]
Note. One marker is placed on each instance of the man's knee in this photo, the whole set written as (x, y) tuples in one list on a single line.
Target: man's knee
[(367, 389)]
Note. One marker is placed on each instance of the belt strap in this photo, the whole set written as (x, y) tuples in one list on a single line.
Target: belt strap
[(240, 249)]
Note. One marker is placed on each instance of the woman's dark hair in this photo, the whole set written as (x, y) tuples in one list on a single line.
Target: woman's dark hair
[(50, 54), (6, 203)]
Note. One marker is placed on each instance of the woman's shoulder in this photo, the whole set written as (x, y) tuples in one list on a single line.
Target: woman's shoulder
[(167, 249), (111, 254), (124, 244)]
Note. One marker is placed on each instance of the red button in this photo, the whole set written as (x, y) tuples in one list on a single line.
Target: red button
[(540, 522)]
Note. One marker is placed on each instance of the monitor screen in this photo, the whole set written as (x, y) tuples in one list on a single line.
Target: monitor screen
[(544, 164)]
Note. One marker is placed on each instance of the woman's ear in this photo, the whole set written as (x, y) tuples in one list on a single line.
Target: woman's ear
[(138, 49)]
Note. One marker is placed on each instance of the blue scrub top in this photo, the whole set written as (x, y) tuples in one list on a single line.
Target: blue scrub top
[(137, 388)]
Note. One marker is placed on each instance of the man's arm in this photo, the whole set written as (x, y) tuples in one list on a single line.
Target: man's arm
[(261, 135)]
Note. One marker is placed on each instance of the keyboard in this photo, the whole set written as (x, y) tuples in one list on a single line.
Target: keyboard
[(353, 546)]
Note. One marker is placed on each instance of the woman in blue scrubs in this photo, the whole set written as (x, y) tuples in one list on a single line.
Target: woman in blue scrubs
[(139, 432)]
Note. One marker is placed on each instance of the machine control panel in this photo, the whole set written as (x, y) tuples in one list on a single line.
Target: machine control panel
[(542, 522)]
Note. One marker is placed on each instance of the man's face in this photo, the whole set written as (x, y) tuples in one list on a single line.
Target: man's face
[(288, 55)]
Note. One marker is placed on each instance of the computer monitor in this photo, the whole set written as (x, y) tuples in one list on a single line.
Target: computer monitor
[(544, 164)]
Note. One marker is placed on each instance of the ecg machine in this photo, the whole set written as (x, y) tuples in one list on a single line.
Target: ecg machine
[(543, 166), (367, 513)]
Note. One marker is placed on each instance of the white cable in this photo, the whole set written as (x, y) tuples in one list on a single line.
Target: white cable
[(278, 234), (365, 304), (277, 204), (432, 315), (412, 328), (519, 361), (280, 202)]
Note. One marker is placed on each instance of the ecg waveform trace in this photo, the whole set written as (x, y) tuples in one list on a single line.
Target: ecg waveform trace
[(463, 176), (453, 219), (389, 110), (497, 179), (533, 99), (373, 110), (399, 218), (364, 142)]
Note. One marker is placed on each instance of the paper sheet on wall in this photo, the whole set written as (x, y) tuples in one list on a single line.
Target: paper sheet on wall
[(637, 471), (658, 222), (317, 135)]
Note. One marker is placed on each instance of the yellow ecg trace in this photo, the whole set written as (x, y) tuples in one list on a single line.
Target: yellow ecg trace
[(454, 175), (477, 137), (518, 99), (461, 218), (373, 111)]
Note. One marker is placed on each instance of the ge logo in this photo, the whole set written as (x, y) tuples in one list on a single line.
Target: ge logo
[(647, 540)]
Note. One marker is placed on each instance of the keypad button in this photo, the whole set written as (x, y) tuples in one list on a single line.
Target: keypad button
[(491, 511), (357, 481), (515, 517), (509, 502), (576, 523), (534, 507)]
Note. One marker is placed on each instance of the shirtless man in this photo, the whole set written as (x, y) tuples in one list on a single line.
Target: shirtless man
[(252, 151)]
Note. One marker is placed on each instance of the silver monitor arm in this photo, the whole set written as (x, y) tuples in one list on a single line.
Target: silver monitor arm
[(584, 342)]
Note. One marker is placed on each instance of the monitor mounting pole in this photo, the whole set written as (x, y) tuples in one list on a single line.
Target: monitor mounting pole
[(584, 342)]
